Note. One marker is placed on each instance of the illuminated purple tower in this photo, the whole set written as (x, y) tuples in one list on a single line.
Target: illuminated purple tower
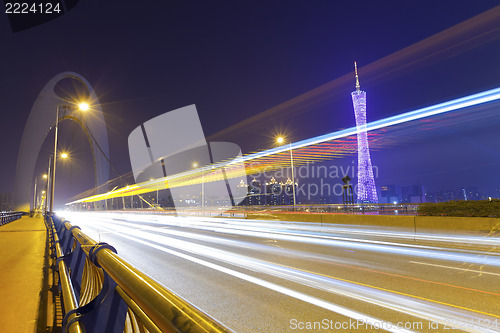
[(366, 183)]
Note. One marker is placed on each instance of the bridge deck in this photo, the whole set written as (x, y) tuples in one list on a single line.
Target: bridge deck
[(22, 258)]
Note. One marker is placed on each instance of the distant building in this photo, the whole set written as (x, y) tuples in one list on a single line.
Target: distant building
[(430, 197), (273, 191), (443, 196), (389, 194), (469, 193), (6, 201), (412, 194), (279, 193), (288, 192), (254, 195)]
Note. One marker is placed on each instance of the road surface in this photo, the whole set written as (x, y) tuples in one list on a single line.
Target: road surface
[(275, 276)]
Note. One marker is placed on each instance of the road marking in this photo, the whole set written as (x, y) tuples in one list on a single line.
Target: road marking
[(162, 248), (457, 268), (358, 316), (410, 278), (147, 229), (399, 293)]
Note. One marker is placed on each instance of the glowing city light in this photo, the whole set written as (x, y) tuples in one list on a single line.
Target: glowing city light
[(453, 105), (367, 192), (331, 143), (83, 106)]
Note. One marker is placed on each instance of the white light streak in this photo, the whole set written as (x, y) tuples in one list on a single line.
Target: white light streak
[(139, 229), (456, 268)]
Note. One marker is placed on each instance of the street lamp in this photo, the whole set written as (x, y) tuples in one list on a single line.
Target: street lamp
[(44, 176), (34, 196), (42, 203), (281, 140), (195, 165), (151, 179), (83, 107), (48, 188)]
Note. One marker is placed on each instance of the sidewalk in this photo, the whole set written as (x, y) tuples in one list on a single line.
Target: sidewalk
[(22, 259)]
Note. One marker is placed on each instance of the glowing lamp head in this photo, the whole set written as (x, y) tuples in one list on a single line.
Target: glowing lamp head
[(195, 165), (83, 106), (280, 140), (45, 176), (64, 155)]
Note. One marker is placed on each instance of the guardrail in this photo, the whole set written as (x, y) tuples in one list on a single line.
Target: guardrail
[(9, 217), (101, 292), (241, 211), (381, 209)]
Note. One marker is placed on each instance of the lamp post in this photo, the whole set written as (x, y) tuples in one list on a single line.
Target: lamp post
[(157, 204), (282, 140), (82, 107), (151, 179), (44, 176), (195, 165), (53, 173), (34, 196), (48, 188), (42, 199)]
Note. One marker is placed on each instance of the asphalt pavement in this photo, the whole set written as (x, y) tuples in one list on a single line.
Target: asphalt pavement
[(278, 276)]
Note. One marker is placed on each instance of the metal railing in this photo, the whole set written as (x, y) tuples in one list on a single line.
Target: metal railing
[(381, 209), (101, 292), (241, 211), (7, 217)]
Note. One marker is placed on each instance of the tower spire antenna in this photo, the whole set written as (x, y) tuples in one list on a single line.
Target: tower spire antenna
[(357, 78)]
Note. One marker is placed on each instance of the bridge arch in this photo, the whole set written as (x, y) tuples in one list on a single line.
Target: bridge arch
[(40, 121)]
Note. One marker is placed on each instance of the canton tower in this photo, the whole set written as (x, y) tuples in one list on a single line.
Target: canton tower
[(366, 183)]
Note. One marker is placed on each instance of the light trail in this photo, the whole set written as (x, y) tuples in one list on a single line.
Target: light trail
[(272, 286), (318, 237), (453, 105), (191, 177), (165, 239), (359, 244), (456, 268), (284, 252)]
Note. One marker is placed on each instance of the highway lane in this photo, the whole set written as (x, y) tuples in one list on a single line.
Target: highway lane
[(272, 276)]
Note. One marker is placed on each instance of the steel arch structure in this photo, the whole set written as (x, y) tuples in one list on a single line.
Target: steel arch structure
[(40, 121)]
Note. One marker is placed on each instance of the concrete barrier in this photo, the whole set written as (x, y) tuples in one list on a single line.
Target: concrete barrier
[(405, 222), (453, 224), (296, 217), (418, 224), (374, 220)]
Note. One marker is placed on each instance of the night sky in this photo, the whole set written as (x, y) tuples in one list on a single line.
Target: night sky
[(236, 59)]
